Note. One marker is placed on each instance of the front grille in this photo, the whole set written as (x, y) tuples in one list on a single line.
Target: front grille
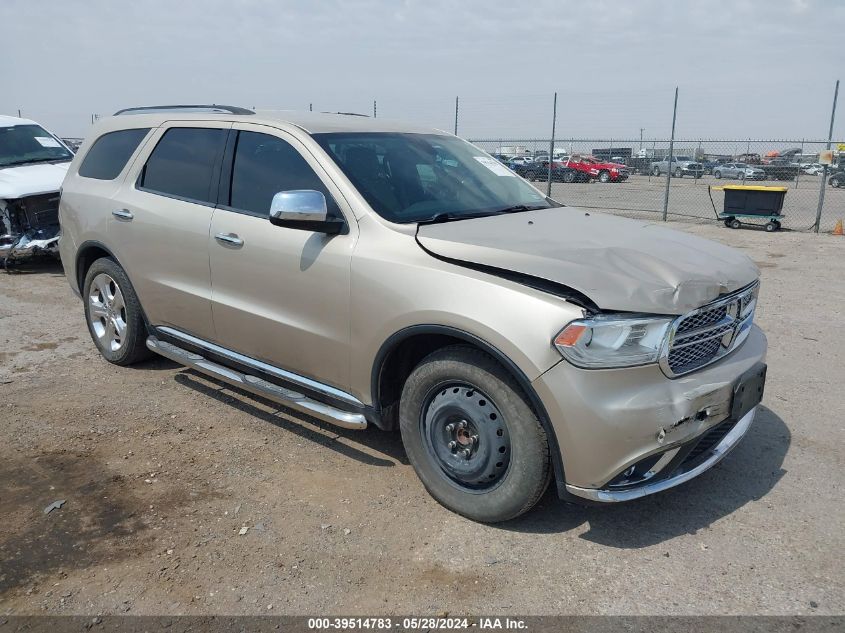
[(41, 210), (702, 319), (706, 334)]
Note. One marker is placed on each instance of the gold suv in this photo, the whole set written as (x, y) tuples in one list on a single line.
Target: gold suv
[(366, 272)]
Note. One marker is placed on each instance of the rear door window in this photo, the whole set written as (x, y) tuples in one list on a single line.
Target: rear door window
[(264, 165), (110, 153), (185, 164)]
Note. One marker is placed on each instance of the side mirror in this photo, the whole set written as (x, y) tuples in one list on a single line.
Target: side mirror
[(304, 209)]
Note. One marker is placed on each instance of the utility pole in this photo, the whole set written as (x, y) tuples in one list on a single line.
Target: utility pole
[(642, 129), (456, 116)]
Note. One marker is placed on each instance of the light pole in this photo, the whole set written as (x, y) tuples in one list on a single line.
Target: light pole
[(642, 129)]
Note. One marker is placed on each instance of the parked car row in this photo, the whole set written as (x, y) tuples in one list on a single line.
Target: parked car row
[(565, 168), (539, 170)]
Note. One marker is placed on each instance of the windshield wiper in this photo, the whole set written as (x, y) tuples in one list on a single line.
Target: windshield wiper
[(518, 208), (438, 218), (32, 161)]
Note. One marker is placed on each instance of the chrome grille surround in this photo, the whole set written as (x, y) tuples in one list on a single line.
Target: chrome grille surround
[(708, 333)]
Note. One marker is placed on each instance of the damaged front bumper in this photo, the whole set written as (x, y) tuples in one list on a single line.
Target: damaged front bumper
[(29, 226), (30, 243), (691, 466), (627, 433)]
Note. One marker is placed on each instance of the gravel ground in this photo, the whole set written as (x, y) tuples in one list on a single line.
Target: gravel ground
[(184, 497)]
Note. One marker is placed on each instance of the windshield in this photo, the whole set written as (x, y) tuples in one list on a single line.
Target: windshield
[(24, 144), (417, 177)]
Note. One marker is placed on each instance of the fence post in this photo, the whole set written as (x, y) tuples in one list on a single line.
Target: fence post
[(697, 158), (671, 153), (552, 146), (824, 171), (310, 107), (375, 110), (456, 116), (799, 164)]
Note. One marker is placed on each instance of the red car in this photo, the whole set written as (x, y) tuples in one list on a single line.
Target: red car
[(597, 169)]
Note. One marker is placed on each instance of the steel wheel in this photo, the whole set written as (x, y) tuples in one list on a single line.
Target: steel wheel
[(466, 435), (107, 312)]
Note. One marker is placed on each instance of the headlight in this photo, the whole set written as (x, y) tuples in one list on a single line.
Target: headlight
[(613, 341)]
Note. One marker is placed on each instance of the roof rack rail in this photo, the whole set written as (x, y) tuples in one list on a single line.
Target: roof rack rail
[(212, 109)]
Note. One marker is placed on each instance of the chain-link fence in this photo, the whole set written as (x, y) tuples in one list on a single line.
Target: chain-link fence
[(652, 176), (629, 176)]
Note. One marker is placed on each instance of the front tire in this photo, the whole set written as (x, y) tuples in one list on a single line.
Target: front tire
[(113, 314), (471, 436), (604, 176), (717, 174), (679, 173), (655, 171)]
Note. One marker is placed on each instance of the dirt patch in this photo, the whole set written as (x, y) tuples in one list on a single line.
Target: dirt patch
[(100, 521)]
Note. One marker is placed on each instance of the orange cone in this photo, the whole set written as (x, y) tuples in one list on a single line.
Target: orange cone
[(837, 230)]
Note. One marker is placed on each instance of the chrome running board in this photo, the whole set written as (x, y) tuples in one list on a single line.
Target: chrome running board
[(258, 386)]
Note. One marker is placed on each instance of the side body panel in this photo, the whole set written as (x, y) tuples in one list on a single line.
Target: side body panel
[(86, 205), (396, 285), (283, 295), (165, 248)]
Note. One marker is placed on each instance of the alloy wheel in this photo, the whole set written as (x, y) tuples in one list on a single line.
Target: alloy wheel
[(107, 312)]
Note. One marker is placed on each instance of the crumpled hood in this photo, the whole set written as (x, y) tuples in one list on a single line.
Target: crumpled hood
[(620, 264), (30, 180)]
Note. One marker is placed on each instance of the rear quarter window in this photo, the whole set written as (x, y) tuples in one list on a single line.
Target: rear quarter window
[(109, 154)]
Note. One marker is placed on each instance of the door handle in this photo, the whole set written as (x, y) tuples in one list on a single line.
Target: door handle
[(229, 239), (123, 214)]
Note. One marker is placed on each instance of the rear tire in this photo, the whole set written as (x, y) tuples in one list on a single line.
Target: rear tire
[(655, 171), (507, 466), (530, 176), (113, 314), (717, 174), (604, 176), (735, 224), (834, 182)]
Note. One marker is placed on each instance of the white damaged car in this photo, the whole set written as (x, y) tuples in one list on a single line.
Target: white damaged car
[(33, 163)]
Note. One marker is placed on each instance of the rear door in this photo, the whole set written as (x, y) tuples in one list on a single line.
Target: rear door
[(280, 295), (160, 223)]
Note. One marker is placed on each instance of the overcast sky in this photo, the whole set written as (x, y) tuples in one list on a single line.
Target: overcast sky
[(745, 68)]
